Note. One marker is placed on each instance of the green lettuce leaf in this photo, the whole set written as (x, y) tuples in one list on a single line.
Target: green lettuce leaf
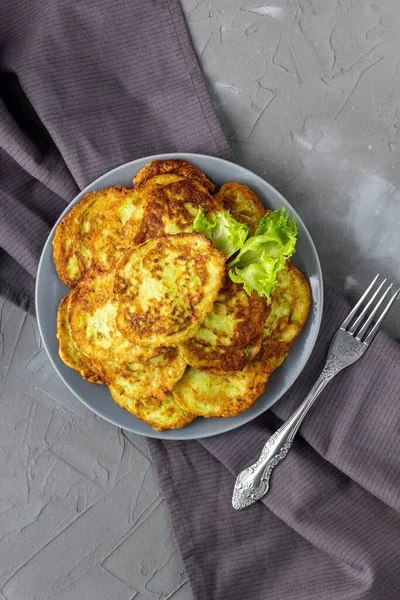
[(265, 253), (226, 234)]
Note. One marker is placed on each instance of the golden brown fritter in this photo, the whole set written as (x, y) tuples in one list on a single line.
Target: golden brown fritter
[(243, 204), (153, 378), (168, 210), (92, 313), (161, 414), (210, 395), (68, 351), (111, 242), (166, 287), (289, 310), (74, 235), (231, 335), (175, 166)]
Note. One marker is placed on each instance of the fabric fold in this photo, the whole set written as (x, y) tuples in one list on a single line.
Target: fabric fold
[(300, 542)]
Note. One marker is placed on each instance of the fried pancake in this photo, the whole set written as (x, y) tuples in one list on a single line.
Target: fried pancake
[(231, 335), (67, 350), (166, 287), (169, 210), (92, 313), (161, 414), (289, 310), (110, 243), (175, 166), (154, 378), (242, 202), (210, 395), (74, 235)]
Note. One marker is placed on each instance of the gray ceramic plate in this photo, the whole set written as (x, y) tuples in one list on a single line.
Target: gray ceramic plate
[(50, 290)]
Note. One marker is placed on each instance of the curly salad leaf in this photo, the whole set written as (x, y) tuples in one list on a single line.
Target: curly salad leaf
[(226, 234), (260, 258)]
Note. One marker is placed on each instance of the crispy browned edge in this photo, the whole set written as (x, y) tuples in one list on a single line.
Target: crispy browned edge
[(174, 165), (86, 368)]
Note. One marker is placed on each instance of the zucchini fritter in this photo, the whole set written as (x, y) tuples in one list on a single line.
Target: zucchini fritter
[(242, 202), (92, 313), (74, 235), (231, 335), (210, 395), (166, 287), (111, 242), (161, 414), (169, 210), (175, 166), (67, 349), (154, 378), (289, 310)]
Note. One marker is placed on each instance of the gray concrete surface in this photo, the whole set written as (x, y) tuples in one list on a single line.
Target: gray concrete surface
[(308, 92)]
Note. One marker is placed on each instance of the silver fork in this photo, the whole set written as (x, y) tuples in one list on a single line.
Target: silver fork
[(348, 345)]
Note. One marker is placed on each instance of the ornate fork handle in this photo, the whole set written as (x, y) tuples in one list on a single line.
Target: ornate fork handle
[(253, 482)]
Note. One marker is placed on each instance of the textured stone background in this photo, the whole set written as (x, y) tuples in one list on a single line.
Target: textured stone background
[(308, 92)]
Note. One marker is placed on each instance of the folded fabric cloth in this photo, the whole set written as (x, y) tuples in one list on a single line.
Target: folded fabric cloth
[(85, 87)]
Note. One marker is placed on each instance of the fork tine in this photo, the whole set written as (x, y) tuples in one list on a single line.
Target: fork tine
[(361, 316), (375, 328), (359, 303), (367, 323)]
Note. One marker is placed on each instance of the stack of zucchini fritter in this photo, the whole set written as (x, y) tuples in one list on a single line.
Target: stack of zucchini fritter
[(152, 313)]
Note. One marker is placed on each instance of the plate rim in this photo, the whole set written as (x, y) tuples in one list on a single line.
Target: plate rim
[(185, 156)]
